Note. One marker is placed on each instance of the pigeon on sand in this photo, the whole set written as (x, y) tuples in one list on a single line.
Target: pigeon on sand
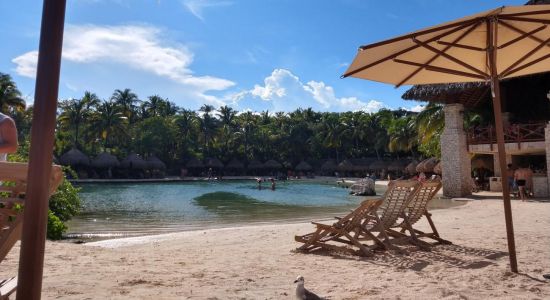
[(302, 293)]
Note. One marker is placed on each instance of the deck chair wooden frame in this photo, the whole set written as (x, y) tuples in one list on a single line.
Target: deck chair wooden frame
[(13, 178), (359, 228), (418, 208)]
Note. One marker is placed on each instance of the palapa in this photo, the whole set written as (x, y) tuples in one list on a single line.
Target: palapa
[(346, 165), (427, 165), (214, 163), (329, 166), (396, 166), (378, 165), (255, 165), (74, 157), (437, 169), (105, 160), (194, 163), (234, 164), (272, 164), (411, 167), (154, 163), (303, 166), (133, 161)]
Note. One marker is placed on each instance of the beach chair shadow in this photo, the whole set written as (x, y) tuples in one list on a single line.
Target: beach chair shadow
[(364, 229), (13, 178)]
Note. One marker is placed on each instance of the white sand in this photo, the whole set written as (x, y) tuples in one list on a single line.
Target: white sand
[(258, 263)]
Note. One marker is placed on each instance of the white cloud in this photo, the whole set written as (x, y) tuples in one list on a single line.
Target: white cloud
[(283, 91), (196, 7), (136, 46), (417, 108)]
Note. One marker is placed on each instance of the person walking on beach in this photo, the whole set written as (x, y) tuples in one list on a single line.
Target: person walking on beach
[(510, 177), (8, 137), (524, 178)]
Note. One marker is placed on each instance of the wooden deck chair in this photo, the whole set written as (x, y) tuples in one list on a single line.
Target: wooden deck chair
[(346, 230), (418, 208), (358, 228), (13, 178)]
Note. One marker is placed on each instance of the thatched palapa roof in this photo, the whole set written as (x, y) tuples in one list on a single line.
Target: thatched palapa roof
[(346, 165), (411, 167), (329, 166), (427, 165), (437, 169), (105, 160), (378, 165), (361, 164), (470, 94), (255, 165), (397, 165), (234, 164), (272, 164), (134, 161), (214, 163), (303, 166), (74, 157), (194, 163), (155, 163)]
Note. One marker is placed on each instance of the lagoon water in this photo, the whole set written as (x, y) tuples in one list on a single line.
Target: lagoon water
[(116, 210)]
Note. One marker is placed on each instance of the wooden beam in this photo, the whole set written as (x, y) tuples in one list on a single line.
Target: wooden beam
[(524, 57), (31, 261), (441, 70), (525, 66), (521, 37), (527, 13), (534, 38), (457, 45)]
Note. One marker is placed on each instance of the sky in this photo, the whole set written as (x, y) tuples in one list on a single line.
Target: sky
[(257, 55)]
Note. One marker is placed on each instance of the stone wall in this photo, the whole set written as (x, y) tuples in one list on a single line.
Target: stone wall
[(547, 140), (456, 165)]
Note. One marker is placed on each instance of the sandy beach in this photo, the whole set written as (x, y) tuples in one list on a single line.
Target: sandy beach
[(258, 262)]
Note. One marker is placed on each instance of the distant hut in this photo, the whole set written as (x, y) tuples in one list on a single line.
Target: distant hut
[(345, 166), (234, 167), (134, 161), (214, 163), (396, 166), (427, 165), (273, 165), (74, 158), (105, 161), (411, 167), (303, 166), (328, 167), (378, 165), (154, 163), (361, 164), (194, 166), (255, 167), (437, 169)]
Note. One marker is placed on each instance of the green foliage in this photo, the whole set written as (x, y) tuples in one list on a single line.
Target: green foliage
[(65, 203), (56, 227)]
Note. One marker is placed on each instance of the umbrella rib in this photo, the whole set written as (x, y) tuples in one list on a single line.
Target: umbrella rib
[(440, 69), (474, 26), (523, 58), (528, 13), (520, 31), (521, 37), (392, 56), (468, 47), (529, 20), (451, 58), (525, 65)]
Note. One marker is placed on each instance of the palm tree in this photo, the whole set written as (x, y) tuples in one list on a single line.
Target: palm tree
[(207, 125), (108, 121), (430, 122), (127, 100), (76, 112), (10, 96), (333, 130), (403, 135), (152, 107)]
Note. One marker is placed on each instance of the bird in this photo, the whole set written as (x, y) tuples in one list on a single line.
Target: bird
[(302, 293)]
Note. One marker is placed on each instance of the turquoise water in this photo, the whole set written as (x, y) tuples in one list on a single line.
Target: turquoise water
[(115, 210)]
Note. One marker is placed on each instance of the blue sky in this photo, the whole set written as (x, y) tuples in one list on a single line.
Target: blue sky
[(250, 54)]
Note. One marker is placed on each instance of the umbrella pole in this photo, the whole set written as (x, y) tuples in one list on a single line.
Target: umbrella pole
[(497, 109), (31, 261)]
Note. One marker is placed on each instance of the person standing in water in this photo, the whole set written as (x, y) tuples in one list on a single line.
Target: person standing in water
[(259, 180), (8, 137), (272, 184)]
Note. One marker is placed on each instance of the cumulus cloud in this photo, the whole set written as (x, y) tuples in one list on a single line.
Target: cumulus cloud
[(417, 108), (196, 7), (136, 46), (284, 91)]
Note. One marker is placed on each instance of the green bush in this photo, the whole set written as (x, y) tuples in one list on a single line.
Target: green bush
[(56, 227)]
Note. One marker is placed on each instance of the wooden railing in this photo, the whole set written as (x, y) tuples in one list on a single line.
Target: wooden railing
[(515, 133)]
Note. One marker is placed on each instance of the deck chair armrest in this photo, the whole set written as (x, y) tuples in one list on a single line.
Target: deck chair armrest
[(7, 287)]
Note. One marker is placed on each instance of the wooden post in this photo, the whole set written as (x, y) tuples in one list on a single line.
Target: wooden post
[(495, 89), (31, 261)]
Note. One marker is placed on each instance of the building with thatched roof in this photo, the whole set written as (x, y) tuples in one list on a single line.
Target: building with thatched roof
[(234, 164), (194, 163), (134, 161), (255, 165), (328, 167), (378, 165), (273, 165), (105, 160), (214, 163), (527, 131), (154, 163), (345, 166), (411, 167), (427, 165), (303, 166), (74, 157)]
